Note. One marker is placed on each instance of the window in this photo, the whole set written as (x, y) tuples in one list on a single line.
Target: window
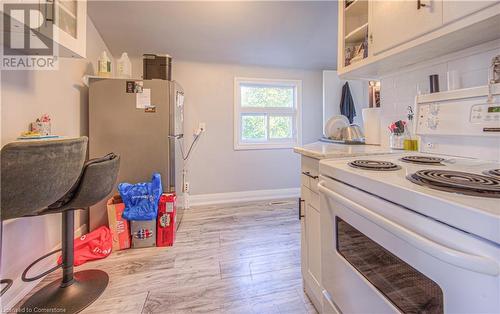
[(407, 288), (266, 113)]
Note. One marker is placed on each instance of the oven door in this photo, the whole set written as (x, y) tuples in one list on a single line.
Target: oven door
[(378, 257)]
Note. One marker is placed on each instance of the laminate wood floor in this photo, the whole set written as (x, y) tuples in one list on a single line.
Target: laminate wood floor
[(238, 258)]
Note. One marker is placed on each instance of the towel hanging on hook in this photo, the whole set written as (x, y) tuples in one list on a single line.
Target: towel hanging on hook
[(347, 104)]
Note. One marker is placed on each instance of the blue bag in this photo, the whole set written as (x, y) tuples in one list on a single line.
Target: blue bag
[(141, 199)]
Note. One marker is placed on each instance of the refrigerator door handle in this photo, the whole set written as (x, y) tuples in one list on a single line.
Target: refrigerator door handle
[(176, 136)]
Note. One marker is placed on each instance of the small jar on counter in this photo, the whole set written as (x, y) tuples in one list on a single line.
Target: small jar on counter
[(396, 141)]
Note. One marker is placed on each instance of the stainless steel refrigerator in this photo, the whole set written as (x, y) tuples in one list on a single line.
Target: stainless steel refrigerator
[(143, 130)]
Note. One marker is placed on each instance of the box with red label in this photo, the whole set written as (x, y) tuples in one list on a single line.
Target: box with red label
[(143, 233), (165, 223), (117, 224)]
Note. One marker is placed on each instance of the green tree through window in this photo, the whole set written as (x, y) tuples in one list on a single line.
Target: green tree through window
[(280, 127), (258, 96), (253, 127)]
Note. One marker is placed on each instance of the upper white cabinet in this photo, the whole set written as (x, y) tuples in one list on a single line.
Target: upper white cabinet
[(453, 10), (396, 22), (69, 20), (378, 37), (353, 31)]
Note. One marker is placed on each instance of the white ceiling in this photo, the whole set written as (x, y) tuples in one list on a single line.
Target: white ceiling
[(298, 34)]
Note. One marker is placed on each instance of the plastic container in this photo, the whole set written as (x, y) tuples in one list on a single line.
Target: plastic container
[(410, 141), (410, 144), (124, 66), (104, 65), (371, 125), (396, 141)]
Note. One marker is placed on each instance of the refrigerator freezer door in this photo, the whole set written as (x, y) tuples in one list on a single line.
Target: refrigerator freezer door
[(176, 137)]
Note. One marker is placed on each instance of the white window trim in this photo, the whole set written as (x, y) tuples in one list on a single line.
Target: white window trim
[(275, 144)]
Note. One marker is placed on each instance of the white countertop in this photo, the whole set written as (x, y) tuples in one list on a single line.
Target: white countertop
[(322, 150)]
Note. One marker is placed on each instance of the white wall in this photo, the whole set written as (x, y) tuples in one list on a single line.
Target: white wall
[(332, 93), (398, 91), (215, 166), (26, 95)]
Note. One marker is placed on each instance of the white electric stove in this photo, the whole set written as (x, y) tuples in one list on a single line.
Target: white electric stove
[(472, 210), (418, 232)]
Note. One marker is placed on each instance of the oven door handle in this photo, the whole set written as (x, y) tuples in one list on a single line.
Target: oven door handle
[(479, 264)]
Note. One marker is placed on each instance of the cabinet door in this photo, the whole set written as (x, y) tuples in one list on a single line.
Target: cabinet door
[(396, 22), (453, 10), (313, 239), (304, 200), (311, 246), (69, 18)]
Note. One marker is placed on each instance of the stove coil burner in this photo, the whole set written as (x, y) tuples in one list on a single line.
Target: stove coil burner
[(374, 165), (457, 182), (493, 173), (424, 160)]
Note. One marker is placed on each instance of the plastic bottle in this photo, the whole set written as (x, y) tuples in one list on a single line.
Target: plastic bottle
[(124, 66), (104, 65), (410, 142)]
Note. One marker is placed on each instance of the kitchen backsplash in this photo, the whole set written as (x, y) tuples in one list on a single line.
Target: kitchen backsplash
[(398, 91)]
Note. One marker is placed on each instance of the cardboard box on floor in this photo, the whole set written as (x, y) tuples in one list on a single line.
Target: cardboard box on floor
[(167, 213), (143, 233), (118, 225)]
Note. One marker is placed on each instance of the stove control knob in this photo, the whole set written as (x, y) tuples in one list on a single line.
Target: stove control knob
[(434, 109), (432, 123)]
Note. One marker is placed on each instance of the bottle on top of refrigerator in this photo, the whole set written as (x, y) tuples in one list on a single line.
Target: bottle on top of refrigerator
[(104, 65), (124, 66)]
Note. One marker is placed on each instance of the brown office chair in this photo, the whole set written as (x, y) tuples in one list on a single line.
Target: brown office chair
[(40, 178)]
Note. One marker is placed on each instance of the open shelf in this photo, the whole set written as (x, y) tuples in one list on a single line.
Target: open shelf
[(357, 8), (358, 35), (65, 9), (355, 18)]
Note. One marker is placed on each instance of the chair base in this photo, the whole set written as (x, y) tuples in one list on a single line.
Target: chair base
[(8, 283), (88, 285)]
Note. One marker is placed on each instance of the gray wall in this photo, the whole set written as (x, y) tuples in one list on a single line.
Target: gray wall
[(215, 166), (26, 95)]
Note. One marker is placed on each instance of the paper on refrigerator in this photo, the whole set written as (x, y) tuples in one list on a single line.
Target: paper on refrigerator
[(143, 100)]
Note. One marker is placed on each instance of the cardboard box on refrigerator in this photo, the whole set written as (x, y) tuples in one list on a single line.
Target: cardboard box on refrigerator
[(118, 225)]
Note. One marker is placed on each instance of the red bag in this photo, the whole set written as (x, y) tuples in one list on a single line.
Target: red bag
[(91, 246)]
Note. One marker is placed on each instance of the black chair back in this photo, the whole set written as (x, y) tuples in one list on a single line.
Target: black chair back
[(96, 183), (35, 174)]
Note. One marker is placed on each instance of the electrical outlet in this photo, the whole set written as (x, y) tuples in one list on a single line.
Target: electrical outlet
[(186, 187), (201, 128)]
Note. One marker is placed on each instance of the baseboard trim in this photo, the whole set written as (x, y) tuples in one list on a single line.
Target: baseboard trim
[(243, 196), (20, 288)]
